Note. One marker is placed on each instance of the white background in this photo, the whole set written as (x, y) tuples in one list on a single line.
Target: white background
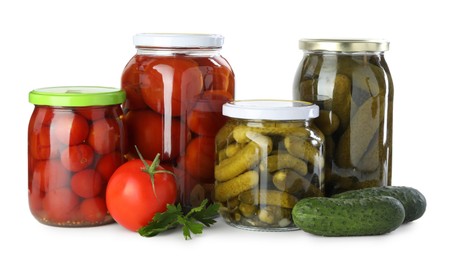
[(49, 43)]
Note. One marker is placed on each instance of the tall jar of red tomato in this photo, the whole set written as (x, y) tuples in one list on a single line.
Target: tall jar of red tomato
[(76, 140), (175, 87)]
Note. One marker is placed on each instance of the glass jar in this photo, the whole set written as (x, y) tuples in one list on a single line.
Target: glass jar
[(269, 155), (352, 84), (76, 140), (175, 87)]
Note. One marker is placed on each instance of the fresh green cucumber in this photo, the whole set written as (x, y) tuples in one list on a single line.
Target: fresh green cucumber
[(348, 217), (413, 201)]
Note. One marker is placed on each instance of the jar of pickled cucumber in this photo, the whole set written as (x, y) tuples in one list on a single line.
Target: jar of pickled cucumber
[(351, 83), (269, 155), (175, 87), (76, 140)]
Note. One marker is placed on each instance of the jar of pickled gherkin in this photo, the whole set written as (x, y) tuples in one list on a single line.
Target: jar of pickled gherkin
[(269, 155), (76, 140), (175, 87), (351, 83)]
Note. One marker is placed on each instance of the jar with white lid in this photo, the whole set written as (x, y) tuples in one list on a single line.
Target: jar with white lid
[(175, 87), (350, 81), (269, 155)]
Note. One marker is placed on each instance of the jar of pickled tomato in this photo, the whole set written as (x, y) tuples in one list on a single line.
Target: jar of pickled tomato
[(76, 140), (175, 87)]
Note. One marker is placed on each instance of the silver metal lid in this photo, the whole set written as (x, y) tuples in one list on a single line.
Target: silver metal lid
[(343, 45)]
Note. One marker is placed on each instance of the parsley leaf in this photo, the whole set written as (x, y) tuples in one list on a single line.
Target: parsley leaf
[(207, 215), (192, 222)]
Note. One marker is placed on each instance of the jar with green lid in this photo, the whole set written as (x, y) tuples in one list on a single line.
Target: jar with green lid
[(269, 155), (76, 140), (351, 82)]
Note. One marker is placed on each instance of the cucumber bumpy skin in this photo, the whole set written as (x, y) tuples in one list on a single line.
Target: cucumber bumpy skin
[(413, 200), (348, 217)]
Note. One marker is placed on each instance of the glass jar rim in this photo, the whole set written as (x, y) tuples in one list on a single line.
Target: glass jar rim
[(270, 109), (344, 45), (178, 40), (77, 96)]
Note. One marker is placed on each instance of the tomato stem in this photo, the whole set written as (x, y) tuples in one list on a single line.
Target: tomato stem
[(151, 169)]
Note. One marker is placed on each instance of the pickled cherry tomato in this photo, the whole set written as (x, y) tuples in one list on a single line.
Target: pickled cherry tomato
[(130, 82), (35, 198), (77, 157), (42, 116), (168, 85), (70, 128), (104, 135), (92, 113), (41, 146), (60, 204), (49, 175), (93, 209), (199, 158), (206, 117), (87, 183), (108, 163), (146, 130), (217, 73)]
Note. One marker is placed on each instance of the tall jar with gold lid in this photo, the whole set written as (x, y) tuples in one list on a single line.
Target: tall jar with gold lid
[(351, 83)]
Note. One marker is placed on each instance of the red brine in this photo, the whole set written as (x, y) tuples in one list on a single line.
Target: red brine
[(74, 146), (175, 87)]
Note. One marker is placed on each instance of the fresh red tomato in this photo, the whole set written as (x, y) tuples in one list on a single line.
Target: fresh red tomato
[(77, 157), (169, 85), (131, 199), (145, 129), (104, 135), (60, 204), (87, 183), (49, 175), (108, 163), (200, 158), (206, 117), (70, 128), (93, 209)]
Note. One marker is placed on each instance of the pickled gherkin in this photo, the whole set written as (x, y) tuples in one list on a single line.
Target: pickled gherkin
[(264, 166), (351, 80)]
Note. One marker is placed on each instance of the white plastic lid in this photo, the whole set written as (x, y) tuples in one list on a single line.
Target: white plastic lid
[(271, 110), (178, 40)]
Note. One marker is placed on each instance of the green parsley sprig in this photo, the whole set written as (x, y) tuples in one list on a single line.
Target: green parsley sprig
[(192, 222)]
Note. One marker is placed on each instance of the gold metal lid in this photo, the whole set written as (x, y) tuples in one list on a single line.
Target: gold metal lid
[(343, 45)]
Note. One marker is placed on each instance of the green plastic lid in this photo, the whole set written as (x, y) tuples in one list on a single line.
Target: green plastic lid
[(77, 96)]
